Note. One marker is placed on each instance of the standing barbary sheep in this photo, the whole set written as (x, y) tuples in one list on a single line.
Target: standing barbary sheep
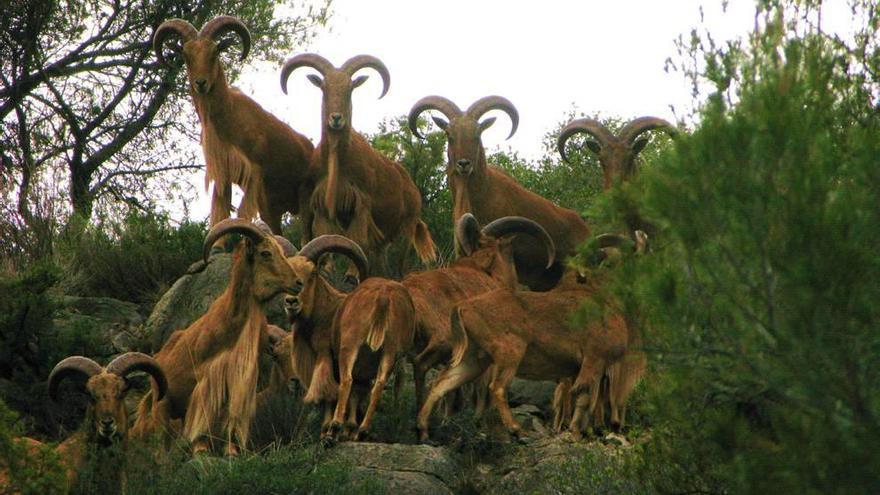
[(311, 310), (212, 365), (487, 264), (362, 194), (106, 421), (243, 144), (529, 334), (488, 193)]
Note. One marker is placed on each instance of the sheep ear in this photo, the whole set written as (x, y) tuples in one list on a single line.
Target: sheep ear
[(440, 122), (316, 80), (358, 81), (594, 146), (487, 123), (639, 145)]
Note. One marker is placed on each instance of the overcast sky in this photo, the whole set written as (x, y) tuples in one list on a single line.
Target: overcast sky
[(547, 57)]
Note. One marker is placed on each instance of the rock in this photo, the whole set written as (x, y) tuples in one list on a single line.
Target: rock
[(530, 392), (401, 469), (98, 327)]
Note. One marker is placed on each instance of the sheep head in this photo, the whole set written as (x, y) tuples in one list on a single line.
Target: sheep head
[(491, 247), (466, 155), (201, 50), (264, 255), (336, 84), (302, 301), (107, 418), (617, 154)]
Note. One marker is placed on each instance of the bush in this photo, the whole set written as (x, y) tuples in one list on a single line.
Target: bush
[(134, 260), (759, 300), (26, 469)]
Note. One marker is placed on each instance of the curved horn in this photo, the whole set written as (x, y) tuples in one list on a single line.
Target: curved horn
[(330, 243), (486, 103), (73, 365), (520, 225), (611, 240), (312, 60), (169, 28), (286, 246), (358, 62), (433, 102), (467, 233), (222, 24), (138, 361), (590, 126), (633, 128), (231, 225)]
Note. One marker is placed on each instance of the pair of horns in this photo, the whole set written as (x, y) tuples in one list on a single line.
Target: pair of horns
[(627, 135), (213, 29), (324, 67), (468, 231), (451, 110), (121, 366), (331, 243), (256, 232)]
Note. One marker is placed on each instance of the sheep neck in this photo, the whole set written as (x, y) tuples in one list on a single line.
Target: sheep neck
[(213, 110), (333, 146)]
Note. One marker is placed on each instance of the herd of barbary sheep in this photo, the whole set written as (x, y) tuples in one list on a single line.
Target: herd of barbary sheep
[(500, 310)]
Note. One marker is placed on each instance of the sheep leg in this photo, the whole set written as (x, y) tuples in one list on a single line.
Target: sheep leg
[(221, 203), (346, 365), (328, 417), (450, 379), (590, 375), (501, 378), (351, 422), (576, 426), (385, 366), (426, 360)]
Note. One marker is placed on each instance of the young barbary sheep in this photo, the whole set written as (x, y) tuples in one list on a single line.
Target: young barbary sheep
[(106, 422), (529, 334), (489, 193), (486, 264), (212, 364), (360, 193), (243, 144)]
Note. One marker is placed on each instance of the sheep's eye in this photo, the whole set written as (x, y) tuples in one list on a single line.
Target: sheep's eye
[(266, 254)]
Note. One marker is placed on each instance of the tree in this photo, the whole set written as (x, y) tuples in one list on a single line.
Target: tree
[(759, 298), (82, 98)]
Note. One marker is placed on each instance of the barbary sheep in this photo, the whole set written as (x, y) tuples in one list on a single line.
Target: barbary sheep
[(359, 193), (488, 193), (211, 365), (106, 422), (243, 144), (530, 335)]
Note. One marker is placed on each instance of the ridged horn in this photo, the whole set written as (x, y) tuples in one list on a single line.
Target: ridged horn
[(68, 367), (433, 102), (286, 246), (359, 62), (633, 128), (611, 240), (312, 60), (521, 225), (138, 361), (494, 102), (331, 243), (590, 126), (467, 233), (231, 226), (222, 24), (169, 28)]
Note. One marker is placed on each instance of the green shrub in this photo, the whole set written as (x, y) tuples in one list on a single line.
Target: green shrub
[(759, 299), (27, 470), (134, 260)]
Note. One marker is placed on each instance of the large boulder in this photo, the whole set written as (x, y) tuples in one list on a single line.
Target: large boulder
[(399, 468), (98, 327)]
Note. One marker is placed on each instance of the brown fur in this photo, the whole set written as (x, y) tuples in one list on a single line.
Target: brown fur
[(359, 192), (528, 334), (378, 314), (211, 366), (244, 144)]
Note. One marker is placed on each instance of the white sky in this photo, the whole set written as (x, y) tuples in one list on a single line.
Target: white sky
[(546, 57)]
